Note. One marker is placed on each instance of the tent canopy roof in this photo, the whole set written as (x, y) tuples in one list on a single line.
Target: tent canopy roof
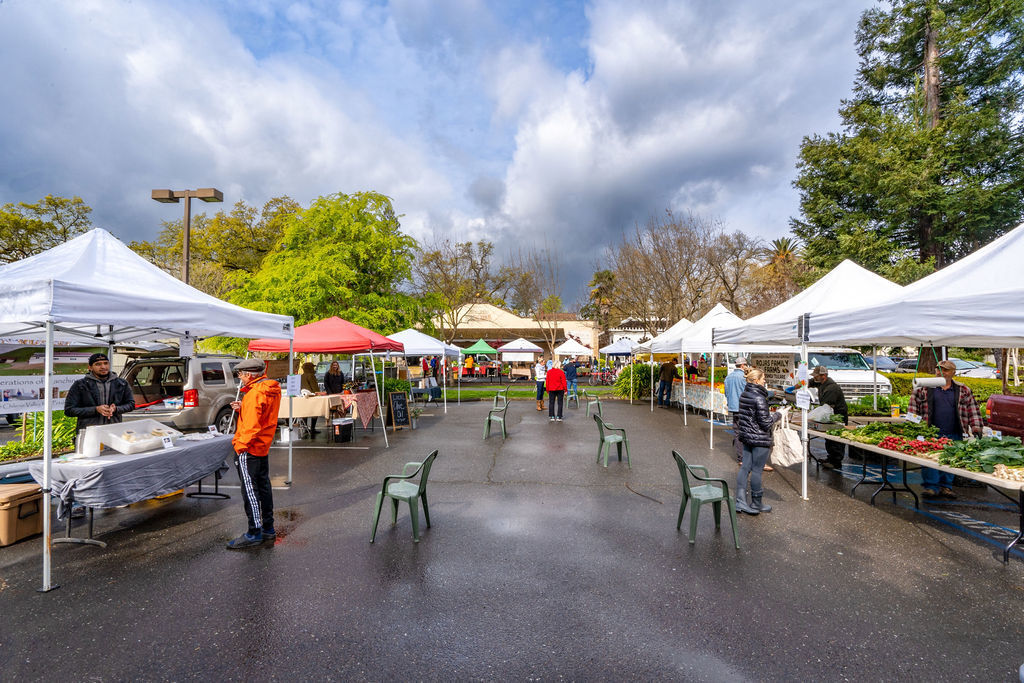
[(975, 301), (520, 346), (94, 286), (330, 335), (622, 347), (417, 343), (697, 338), (667, 341), (480, 347), (830, 293), (571, 347)]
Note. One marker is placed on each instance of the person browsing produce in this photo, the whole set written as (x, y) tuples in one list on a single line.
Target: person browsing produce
[(951, 408), (754, 425), (831, 394), (735, 383), (555, 383)]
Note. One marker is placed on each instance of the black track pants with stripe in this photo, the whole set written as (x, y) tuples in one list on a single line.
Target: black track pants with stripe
[(254, 475)]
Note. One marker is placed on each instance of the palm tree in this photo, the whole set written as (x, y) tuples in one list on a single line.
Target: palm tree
[(783, 251)]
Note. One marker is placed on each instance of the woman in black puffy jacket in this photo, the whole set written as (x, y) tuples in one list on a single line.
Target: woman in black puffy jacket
[(754, 430)]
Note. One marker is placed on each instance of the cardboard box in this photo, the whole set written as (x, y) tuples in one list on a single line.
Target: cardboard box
[(21, 512)]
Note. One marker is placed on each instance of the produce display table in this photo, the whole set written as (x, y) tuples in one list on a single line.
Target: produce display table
[(109, 481), (701, 396), (997, 483), (309, 406)]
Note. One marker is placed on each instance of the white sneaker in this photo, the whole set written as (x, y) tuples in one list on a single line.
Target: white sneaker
[(558, 419), (551, 419)]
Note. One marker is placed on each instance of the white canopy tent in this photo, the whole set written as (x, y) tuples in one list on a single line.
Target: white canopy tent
[(417, 343), (571, 347), (94, 289), (784, 324), (973, 302), (622, 347), (667, 341)]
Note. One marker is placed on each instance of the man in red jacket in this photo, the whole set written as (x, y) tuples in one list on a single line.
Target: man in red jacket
[(257, 424), (555, 383)]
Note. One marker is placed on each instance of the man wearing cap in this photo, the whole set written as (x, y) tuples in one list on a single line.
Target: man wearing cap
[(735, 383), (953, 409), (257, 423), (99, 398), (831, 394)]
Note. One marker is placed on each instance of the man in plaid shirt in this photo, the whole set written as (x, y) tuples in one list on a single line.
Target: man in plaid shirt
[(953, 409)]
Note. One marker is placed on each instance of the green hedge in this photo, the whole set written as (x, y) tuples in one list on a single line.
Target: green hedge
[(902, 384)]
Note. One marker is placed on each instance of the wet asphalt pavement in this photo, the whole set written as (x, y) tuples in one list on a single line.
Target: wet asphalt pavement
[(540, 564)]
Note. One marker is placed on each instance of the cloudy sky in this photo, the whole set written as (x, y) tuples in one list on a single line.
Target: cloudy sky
[(529, 123)]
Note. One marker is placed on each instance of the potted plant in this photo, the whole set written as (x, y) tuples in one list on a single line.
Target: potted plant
[(414, 415)]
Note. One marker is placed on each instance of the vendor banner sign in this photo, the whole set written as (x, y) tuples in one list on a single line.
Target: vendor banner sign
[(27, 393), (779, 368)]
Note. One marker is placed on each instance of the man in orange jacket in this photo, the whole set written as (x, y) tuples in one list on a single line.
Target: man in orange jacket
[(257, 424)]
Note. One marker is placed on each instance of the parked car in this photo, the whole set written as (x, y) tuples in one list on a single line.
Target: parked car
[(205, 385), (964, 368), (884, 363), (970, 368), (851, 371)]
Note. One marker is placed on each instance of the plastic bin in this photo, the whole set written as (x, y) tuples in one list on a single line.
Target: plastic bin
[(21, 512), (113, 435), (342, 429)]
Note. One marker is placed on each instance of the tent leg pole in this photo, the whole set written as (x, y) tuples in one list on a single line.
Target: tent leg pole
[(652, 380), (874, 378), (47, 455), (803, 432), (380, 399), (444, 378), (683, 356), (711, 407), (291, 368)]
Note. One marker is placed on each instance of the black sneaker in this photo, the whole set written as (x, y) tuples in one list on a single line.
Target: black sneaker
[(269, 534), (245, 541)]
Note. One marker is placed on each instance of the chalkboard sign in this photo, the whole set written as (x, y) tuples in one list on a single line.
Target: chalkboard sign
[(398, 404)]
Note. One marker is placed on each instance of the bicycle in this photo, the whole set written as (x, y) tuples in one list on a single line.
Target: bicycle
[(599, 377)]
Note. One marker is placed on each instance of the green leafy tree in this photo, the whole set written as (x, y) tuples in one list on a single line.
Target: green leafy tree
[(344, 256), (600, 306), (28, 229), (224, 248), (929, 164)]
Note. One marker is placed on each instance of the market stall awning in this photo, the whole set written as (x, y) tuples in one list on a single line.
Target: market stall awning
[(667, 341), (330, 335), (844, 284), (622, 347), (571, 347), (94, 287), (974, 302), (480, 347), (417, 343), (520, 346)]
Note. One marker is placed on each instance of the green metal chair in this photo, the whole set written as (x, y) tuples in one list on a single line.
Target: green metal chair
[(409, 491), (593, 400), (607, 440), (496, 414), (705, 493), (500, 398)]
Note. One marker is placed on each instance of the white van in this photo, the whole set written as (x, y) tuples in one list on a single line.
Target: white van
[(848, 368)]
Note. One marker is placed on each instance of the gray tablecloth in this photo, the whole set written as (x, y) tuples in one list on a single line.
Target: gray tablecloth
[(111, 480)]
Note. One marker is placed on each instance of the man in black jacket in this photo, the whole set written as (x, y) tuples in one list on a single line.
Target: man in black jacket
[(99, 398), (831, 394)]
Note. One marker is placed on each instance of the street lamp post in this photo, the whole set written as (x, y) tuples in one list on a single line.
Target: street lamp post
[(207, 194)]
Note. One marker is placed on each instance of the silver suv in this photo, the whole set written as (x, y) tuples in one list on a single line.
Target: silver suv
[(187, 393)]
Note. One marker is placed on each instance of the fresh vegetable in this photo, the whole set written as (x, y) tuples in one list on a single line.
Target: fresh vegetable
[(982, 455), (914, 446), (876, 431)]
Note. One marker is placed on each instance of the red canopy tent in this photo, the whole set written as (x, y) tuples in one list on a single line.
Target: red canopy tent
[(330, 335), (334, 335)]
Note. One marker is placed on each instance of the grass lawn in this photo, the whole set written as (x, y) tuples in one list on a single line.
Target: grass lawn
[(520, 390)]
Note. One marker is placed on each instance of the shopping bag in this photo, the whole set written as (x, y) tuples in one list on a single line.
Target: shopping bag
[(786, 446), (820, 414)]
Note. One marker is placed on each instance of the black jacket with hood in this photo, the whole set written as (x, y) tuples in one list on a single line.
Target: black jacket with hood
[(88, 392)]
